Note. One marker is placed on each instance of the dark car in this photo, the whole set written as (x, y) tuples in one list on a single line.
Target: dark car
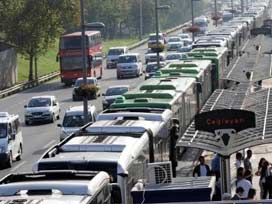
[(112, 93), (93, 89), (152, 68)]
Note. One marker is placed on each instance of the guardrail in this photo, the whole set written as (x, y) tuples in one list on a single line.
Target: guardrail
[(29, 84)]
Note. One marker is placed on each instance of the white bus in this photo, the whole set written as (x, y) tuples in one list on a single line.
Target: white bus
[(120, 148), (56, 187)]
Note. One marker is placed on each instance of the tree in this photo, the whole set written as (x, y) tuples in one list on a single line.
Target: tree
[(34, 25)]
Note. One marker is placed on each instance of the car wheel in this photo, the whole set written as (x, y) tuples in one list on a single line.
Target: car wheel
[(74, 98), (118, 77), (58, 116), (26, 122), (53, 118), (9, 161), (19, 157)]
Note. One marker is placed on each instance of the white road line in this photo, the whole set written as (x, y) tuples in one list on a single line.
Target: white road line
[(49, 144), (18, 166)]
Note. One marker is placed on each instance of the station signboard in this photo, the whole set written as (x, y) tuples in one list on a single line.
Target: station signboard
[(225, 119)]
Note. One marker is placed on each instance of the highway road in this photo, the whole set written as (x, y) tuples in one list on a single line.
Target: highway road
[(39, 137)]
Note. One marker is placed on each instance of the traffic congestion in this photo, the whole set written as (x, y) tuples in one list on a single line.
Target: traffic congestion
[(137, 110)]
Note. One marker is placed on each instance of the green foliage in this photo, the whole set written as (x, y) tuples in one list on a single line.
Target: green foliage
[(32, 26), (89, 90)]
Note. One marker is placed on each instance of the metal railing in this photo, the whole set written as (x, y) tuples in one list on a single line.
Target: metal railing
[(28, 84)]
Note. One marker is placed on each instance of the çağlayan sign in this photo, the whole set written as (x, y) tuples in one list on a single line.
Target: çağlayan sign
[(225, 119)]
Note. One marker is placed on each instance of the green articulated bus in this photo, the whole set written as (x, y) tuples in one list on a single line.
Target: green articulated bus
[(198, 69), (177, 94), (220, 62)]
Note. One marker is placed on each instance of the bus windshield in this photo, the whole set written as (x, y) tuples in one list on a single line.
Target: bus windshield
[(72, 62), (73, 42), (3, 130)]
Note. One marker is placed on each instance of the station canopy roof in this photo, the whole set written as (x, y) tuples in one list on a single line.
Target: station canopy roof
[(259, 102), (255, 59)]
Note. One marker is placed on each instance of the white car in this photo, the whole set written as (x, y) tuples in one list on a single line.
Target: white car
[(11, 139), (174, 43), (42, 108), (113, 54), (74, 119), (152, 57), (129, 65)]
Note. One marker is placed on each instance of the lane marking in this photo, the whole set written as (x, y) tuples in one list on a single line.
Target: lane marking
[(18, 166), (49, 144)]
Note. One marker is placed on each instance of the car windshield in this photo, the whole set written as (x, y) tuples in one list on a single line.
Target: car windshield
[(153, 37), (73, 121), (39, 102), (174, 40), (79, 82), (184, 36), (116, 91), (127, 59), (3, 130), (173, 57), (151, 68), (116, 52)]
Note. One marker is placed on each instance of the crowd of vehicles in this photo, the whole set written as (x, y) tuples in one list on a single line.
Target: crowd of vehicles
[(137, 127)]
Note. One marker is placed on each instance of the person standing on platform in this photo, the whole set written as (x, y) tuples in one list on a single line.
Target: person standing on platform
[(245, 184), (202, 169), (239, 159), (266, 176), (215, 166), (248, 166), (258, 173)]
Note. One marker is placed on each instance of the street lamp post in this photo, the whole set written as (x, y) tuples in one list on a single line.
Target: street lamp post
[(215, 12), (192, 7), (84, 71), (141, 20), (83, 45), (157, 7)]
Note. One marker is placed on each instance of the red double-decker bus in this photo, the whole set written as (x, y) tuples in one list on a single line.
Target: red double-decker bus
[(70, 56)]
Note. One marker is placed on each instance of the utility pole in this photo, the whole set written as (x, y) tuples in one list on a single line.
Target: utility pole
[(84, 71), (192, 7), (215, 12), (242, 6), (157, 32), (141, 20), (232, 9)]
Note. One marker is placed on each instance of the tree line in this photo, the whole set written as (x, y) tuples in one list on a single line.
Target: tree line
[(32, 26)]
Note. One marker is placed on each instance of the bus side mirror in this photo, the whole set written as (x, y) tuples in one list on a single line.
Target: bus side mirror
[(199, 87)]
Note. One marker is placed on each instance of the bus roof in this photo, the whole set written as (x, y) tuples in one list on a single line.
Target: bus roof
[(68, 183), (121, 102), (176, 84), (88, 33)]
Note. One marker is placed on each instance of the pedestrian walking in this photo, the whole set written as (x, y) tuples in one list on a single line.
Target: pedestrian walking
[(238, 193), (202, 169)]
